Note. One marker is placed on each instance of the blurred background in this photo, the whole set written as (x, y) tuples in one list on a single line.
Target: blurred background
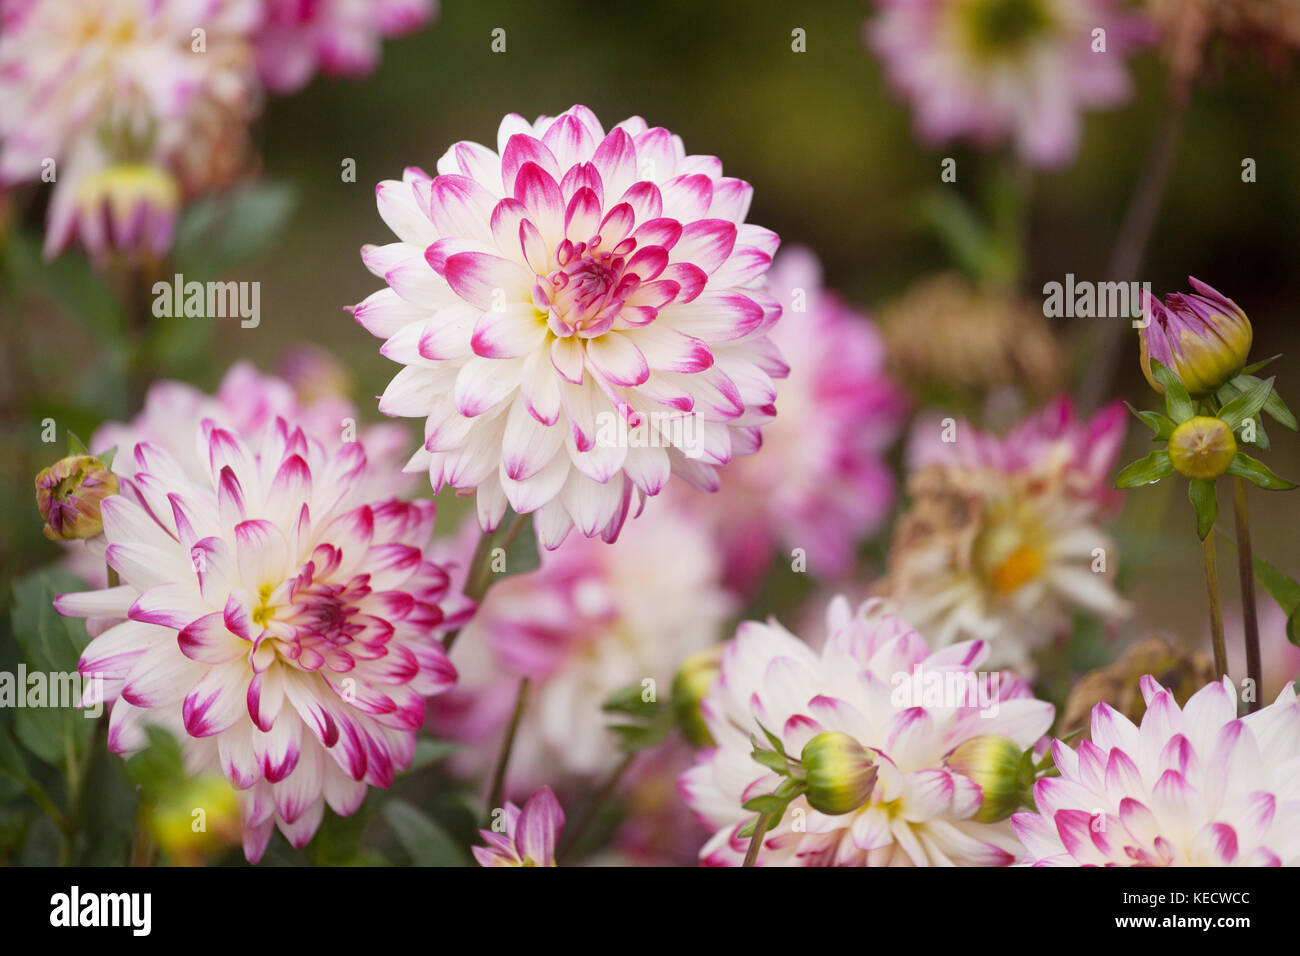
[(835, 167)]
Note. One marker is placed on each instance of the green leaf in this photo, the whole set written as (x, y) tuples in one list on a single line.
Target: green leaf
[(766, 803), (1201, 492), (429, 752), (50, 646), (12, 765), (1283, 590), (1177, 401), (774, 740), (1247, 404), (424, 840), (159, 766), (1249, 369), (106, 458), (771, 759), (75, 445), (1274, 406), (222, 231), (1160, 426), (1146, 471), (1243, 466)]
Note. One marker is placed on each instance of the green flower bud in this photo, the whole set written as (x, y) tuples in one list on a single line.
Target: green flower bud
[(1202, 447), (839, 773), (690, 686), (994, 763), (69, 494)]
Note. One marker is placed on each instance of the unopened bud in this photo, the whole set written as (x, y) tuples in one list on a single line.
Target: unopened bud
[(839, 773), (690, 686), (1202, 447), (994, 763), (69, 494)]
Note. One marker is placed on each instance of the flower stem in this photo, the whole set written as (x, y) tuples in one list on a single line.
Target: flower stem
[(480, 575), (497, 791), (574, 836), (1216, 609), (756, 840), (1246, 572), (1130, 247)]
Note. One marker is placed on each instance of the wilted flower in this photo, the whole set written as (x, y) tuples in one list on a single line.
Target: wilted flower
[(1204, 339), (820, 484), (994, 70), (529, 835), (946, 336), (918, 812), (579, 315), (1181, 670), (1002, 541), (93, 85), (281, 626), (1195, 786), (70, 494), (594, 618), (341, 37)]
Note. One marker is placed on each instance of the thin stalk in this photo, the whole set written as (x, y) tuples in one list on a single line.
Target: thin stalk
[(574, 836), (497, 791), (480, 575), (1216, 609), (756, 841), (1246, 573), (1131, 245)]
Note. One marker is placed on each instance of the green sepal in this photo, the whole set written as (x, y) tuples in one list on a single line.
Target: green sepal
[(1160, 426), (1243, 466), (1201, 492), (1177, 400), (1146, 471)]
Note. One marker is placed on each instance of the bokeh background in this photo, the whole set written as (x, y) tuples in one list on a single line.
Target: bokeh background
[(835, 167)]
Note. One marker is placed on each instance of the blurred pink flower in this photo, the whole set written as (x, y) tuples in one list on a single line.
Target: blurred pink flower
[(529, 835), (820, 484), (592, 619), (580, 315), (995, 70), (96, 90), (339, 37), (283, 627)]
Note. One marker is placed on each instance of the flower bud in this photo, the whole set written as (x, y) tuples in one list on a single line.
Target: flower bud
[(692, 683), (994, 763), (839, 773), (69, 493), (129, 208), (1202, 447), (1203, 339)]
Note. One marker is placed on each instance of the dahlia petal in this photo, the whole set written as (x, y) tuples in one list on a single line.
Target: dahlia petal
[(618, 359), (487, 281)]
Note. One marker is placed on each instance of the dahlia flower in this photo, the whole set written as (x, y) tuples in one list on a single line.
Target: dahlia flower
[(1204, 338), (1195, 786), (820, 485), (104, 87), (69, 495), (280, 625), (861, 684), (580, 314), (1002, 539), (995, 70), (529, 835), (342, 37), (592, 619)]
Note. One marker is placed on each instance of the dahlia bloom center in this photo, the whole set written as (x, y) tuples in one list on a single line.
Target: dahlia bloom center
[(1009, 551), (999, 26), (586, 293)]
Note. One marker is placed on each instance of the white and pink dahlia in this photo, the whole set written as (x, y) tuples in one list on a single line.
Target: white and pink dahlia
[(580, 315), (821, 484), (528, 836), (999, 70), (877, 681), (339, 37), (116, 95), (591, 620), (281, 626), (1191, 787), (1003, 539)]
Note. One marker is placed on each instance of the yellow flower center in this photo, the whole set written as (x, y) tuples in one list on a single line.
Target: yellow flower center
[(1022, 566)]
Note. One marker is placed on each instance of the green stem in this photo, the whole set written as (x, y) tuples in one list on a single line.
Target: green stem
[(1216, 609), (1246, 573), (756, 841), (480, 574), (497, 791), (574, 836)]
